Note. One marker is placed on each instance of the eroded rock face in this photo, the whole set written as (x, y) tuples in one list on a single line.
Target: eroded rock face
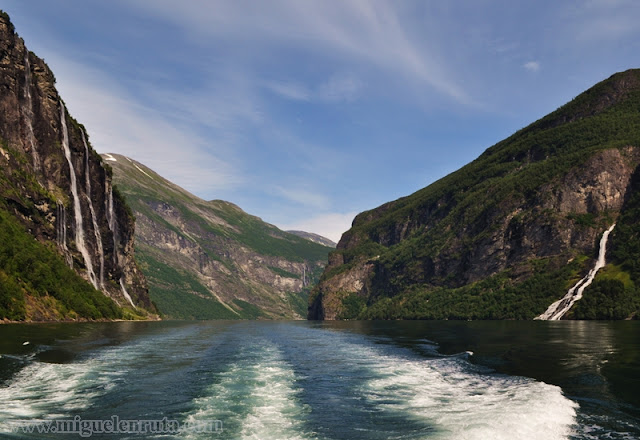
[(516, 232), (545, 194), (545, 227), (328, 301), (244, 274), (37, 180), (215, 251)]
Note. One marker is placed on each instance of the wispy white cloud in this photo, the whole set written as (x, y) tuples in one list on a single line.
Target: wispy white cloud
[(345, 87), (201, 111), (289, 90), (329, 225), (354, 32), (303, 197), (603, 20), (338, 88), (116, 123)]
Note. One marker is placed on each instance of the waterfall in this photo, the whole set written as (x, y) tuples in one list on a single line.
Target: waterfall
[(96, 229), (28, 111), (61, 231), (304, 275), (79, 230), (113, 226), (111, 220), (557, 310), (125, 293)]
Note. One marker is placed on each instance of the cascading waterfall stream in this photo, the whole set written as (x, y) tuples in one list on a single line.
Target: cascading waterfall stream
[(111, 220), (113, 227), (28, 111), (558, 309), (125, 293), (61, 232), (79, 230), (96, 229)]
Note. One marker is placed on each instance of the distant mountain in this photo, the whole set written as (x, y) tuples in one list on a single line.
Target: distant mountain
[(314, 237), (66, 236), (510, 233), (210, 259)]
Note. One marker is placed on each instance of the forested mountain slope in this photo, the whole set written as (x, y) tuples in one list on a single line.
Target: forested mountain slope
[(509, 233)]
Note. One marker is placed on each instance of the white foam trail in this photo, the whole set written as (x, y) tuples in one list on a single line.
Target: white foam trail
[(47, 391), (96, 229), (79, 229), (125, 293), (28, 110), (468, 406), (257, 396), (459, 400), (41, 390), (559, 308)]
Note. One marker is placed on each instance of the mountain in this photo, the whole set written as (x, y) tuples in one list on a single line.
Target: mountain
[(508, 234), (210, 259), (66, 235), (314, 237)]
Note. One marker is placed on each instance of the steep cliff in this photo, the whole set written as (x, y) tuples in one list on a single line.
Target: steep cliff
[(210, 259), (56, 187), (509, 233)]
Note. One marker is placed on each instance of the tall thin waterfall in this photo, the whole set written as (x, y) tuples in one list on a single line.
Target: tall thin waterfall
[(125, 293), (28, 111), (558, 309), (61, 231), (79, 229), (111, 220), (96, 229)]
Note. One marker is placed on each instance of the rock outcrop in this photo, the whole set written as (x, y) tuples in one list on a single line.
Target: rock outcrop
[(210, 259), (56, 184), (532, 207)]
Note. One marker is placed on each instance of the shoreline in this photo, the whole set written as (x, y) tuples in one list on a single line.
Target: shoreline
[(79, 321)]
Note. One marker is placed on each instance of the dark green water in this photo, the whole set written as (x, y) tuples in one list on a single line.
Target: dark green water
[(345, 380)]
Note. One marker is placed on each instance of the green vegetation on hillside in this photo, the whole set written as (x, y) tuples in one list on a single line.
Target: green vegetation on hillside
[(606, 299), (178, 294), (513, 168), (616, 292), (625, 240), (496, 297), (30, 267), (268, 240), (225, 239), (143, 190), (454, 215)]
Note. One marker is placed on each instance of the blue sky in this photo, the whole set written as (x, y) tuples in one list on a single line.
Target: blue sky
[(307, 112)]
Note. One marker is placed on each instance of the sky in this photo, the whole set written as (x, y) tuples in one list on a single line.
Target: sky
[(306, 113)]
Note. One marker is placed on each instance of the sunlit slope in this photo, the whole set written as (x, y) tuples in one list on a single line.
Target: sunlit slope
[(504, 236), (210, 259)]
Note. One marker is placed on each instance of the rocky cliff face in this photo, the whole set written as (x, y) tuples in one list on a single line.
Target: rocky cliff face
[(210, 259), (531, 208), (55, 183)]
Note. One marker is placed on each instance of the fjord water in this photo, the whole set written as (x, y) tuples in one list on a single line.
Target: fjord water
[(344, 380)]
